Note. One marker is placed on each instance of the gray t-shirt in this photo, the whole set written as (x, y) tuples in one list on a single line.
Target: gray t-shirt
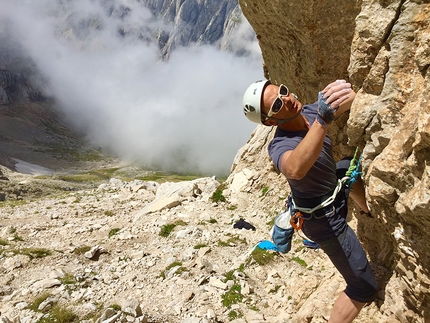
[(321, 178)]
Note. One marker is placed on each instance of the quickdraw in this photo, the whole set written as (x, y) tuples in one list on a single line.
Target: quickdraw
[(296, 220)]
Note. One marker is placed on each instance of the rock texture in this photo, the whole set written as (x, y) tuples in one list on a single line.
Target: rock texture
[(201, 22), (383, 49)]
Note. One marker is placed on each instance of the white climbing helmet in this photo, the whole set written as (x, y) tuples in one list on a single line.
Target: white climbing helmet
[(252, 100)]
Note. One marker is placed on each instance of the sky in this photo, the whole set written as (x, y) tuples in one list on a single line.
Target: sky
[(183, 115)]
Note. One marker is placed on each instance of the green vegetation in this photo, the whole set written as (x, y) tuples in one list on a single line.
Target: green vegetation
[(59, 314), (262, 257), (168, 228), (232, 315), (217, 195), (81, 250), (113, 232), (30, 252), (232, 296), (264, 191), (275, 290), (200, 245), (301, 262), (175, 264), (16, 237), (108, 213), (232, 241), (93, 176), (3, 242), (34, 306), (56, 314), (211, 221), (68, 279), (13, 203), (178, 272)]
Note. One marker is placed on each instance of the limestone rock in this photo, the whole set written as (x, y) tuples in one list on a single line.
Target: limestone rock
[(382, 49)]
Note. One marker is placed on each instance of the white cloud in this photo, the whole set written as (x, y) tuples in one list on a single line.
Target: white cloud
[(184, 114)]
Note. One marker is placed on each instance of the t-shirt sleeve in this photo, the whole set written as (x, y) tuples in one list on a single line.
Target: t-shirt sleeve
[(279, 145)]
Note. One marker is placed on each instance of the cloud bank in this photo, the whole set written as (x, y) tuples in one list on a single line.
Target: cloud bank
[(182, 115)]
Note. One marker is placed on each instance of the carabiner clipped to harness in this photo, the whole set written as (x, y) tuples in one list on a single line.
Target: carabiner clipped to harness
[(296, 220)]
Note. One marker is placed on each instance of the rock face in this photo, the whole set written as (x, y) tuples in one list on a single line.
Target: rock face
[(383, 49), (202, 22)]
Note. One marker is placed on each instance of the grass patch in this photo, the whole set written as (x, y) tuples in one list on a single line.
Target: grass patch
[(264, 191), (275, 290), (175, 264), (168, 228), (59, 314), (93, 176), (232, 315), (16, 238), (34, 306), (13, 203), (301, 262), (262, 257), (217, 196), (3, 242), (200, 245), (231, 242), (108, 213), (113, 232), (82, 178), (31, 252), (178, 272), (232, 296), (68, 279)]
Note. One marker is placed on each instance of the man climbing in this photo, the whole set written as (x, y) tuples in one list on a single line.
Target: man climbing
[(301, 149)]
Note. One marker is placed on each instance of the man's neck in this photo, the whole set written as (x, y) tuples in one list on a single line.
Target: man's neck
[(297, 124)]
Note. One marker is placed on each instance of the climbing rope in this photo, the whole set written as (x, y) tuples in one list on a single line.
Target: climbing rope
[(353, 171)]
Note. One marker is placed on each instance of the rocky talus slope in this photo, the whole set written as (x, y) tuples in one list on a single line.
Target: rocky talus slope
[(97, 251)]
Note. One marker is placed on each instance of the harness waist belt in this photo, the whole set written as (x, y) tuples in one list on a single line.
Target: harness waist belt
[(323, 204), (313, 201)]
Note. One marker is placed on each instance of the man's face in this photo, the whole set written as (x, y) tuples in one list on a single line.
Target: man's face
[(272, 95)]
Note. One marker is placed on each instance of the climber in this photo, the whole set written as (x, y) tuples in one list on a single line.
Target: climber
[(301, 149)]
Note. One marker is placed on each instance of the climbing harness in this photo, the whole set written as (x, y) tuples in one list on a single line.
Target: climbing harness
[(282, 232), (297, 216)]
